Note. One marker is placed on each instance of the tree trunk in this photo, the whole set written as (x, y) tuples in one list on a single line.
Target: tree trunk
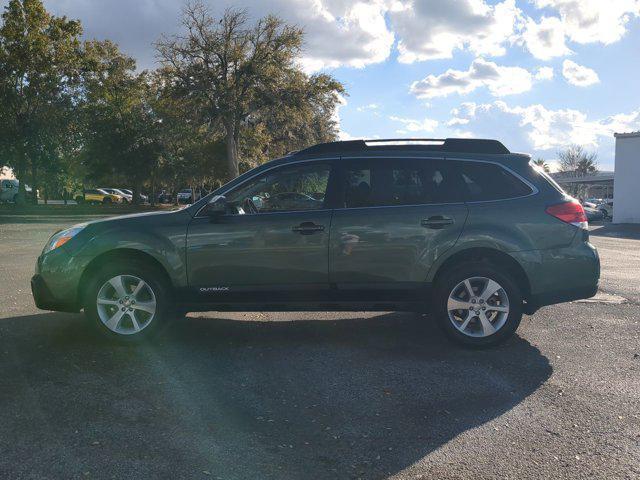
[(135, 200), (232, 151), (152, 197), (34, 182), (20, 171)]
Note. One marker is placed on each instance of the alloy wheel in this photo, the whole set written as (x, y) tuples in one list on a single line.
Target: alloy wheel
[(126, 304), (478, 307)]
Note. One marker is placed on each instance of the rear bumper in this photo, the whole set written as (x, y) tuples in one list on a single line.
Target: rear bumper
[(45, 300), (561, 296), (561, 275)]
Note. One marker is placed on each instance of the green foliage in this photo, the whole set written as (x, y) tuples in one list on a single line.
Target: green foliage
[(121, 141), (228, 96), (542, 163), (575, 159), (241, 81), (40, 57)]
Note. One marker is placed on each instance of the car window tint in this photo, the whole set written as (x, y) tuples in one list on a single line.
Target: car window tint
[(295, 188), (401, 182), (487, 181)]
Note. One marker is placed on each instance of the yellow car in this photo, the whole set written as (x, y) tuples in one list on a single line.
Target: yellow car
[(98, 195)]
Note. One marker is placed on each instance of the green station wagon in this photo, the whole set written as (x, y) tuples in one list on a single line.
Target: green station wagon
[(462, 229)]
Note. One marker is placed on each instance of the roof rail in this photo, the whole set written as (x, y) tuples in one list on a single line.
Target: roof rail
[(458, 145)]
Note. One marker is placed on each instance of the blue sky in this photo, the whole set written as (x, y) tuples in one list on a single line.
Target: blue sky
[(536, 74)]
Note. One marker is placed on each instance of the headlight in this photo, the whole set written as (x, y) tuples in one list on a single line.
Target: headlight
[(60, 238)]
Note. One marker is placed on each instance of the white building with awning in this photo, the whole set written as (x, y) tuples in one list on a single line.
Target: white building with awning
[(627, 178)]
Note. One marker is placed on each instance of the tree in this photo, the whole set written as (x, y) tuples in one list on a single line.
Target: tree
[(39, 60), (121, 138), (300, 115), (542, 163), (576, 160), (232, 73)]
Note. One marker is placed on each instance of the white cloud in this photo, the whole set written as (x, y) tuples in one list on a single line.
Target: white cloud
[(544, 73), (358, 33), (432, 29), (370, 106), (545, 39), (580, 21), (338, 32), (587, 21), (6, 172), (500, 81), (412, 125), (540, 128), (578, 75)]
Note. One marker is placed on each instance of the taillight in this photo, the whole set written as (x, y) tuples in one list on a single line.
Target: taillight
[(569, 212)]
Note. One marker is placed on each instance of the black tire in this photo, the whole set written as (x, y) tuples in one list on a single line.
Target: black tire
[(106, 201), (452, 277), (158, 284)]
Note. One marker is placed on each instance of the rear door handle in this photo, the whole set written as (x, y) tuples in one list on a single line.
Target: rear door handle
[(437, 222), (308, 228)]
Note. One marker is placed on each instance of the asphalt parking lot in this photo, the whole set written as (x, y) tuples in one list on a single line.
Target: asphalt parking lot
[(292, 396)]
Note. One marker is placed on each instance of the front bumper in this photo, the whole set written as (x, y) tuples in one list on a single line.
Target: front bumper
[(45, 300)]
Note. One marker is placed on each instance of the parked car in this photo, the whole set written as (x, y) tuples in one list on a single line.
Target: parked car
[(165, 197), (606, 208), (592, 211), (188, 195), (9, 188), (459, 228), (98, 195), (126, 198), (143, 198)]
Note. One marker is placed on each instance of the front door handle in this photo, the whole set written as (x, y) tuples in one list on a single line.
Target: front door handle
[(308, 228), (436, 222)]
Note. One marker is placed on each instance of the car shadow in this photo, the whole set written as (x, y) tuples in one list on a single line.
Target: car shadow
[(220, 398)]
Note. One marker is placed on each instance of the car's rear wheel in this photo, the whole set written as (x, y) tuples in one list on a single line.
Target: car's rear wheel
[(106, 201), (127, 302), (478, 305)]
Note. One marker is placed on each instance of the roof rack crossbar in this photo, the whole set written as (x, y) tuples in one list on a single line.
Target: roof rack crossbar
[(407, 140), (457, 145)]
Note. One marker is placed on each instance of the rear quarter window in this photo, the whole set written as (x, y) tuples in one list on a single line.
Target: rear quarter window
[(488, 181)]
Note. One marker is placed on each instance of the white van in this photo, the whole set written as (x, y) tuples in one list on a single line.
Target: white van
[(9, 190)]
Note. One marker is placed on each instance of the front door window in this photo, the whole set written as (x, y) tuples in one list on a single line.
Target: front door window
[(287, 189)]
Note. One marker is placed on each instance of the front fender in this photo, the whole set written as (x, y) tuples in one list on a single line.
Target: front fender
[(166, 243)]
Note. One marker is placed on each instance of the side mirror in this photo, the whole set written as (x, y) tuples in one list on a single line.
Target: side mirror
[(217, 206)]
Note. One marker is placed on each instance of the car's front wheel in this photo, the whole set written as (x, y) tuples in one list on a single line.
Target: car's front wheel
[(478, 304), (128, 303)]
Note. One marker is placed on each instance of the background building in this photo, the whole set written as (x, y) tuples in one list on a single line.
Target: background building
[(594, 185), (627, 178)]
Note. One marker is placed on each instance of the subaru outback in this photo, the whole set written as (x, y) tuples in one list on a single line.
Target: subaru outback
[(461, 229)]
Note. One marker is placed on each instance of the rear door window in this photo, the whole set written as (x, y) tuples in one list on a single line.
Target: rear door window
[(394, 182), (488, 181)]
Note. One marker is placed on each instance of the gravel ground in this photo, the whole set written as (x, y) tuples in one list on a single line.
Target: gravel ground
[(326, 395)]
